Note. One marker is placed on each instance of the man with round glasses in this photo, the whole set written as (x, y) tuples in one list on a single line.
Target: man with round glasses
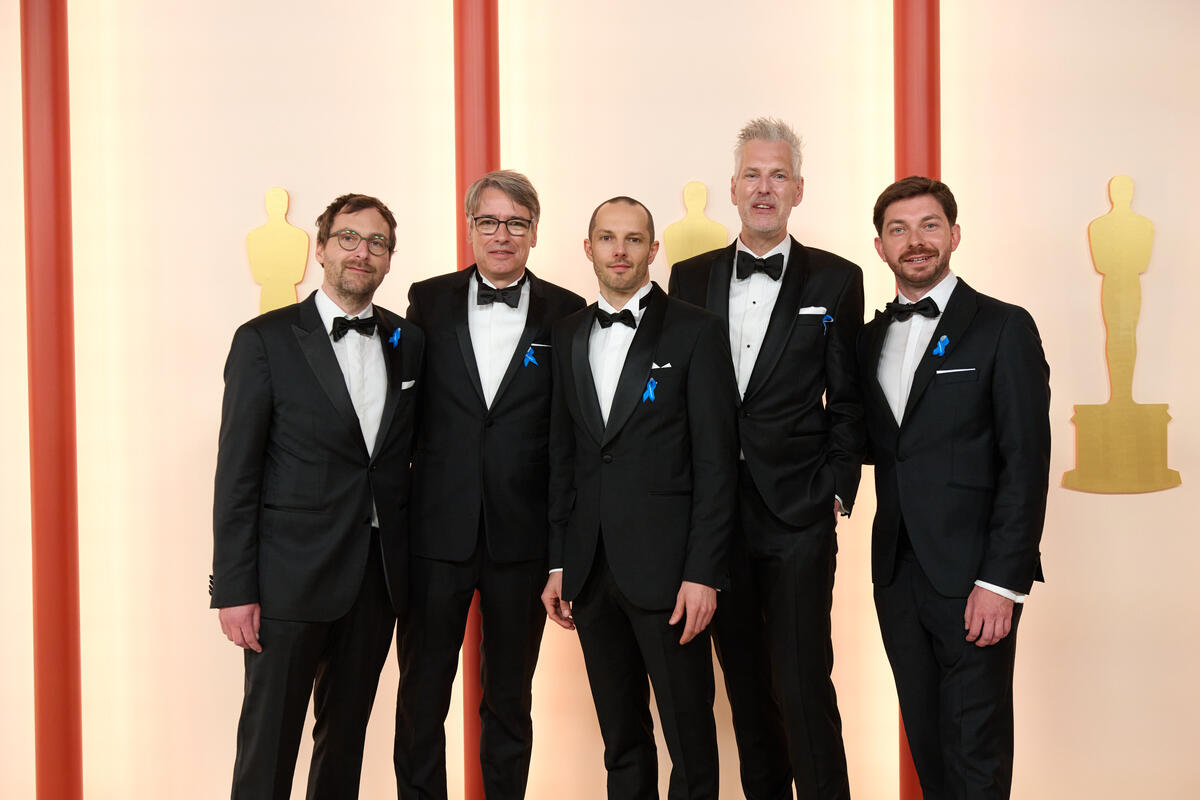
[(310, 555), (480, 485)]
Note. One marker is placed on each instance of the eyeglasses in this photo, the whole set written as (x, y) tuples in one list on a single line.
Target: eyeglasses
[(517, 226), (348, 239)]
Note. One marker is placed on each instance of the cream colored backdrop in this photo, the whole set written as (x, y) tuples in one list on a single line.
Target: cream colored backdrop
[(182, 116)]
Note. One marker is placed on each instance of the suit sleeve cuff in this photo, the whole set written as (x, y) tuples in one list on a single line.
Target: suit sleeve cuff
[(1000, 590), (556, 569)]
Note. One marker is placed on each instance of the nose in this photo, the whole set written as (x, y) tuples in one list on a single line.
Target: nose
[(361, 248)]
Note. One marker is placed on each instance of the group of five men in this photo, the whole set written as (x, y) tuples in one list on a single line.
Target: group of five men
[(635, 469)]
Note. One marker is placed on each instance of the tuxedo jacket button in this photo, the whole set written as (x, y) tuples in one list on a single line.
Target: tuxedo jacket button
[(606, 458)]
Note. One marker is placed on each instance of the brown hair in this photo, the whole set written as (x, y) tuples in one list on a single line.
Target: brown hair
[(915, 186), (349, 204), (514, 185)]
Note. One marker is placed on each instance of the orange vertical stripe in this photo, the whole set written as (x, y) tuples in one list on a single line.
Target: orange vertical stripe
[(48, 286), (477, 150)]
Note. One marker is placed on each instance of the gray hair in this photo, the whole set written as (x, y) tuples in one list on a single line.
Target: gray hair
[(515, 185), (767, 129)]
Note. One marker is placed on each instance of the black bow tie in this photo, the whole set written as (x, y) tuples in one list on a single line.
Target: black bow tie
[(747, 265), (510, 295), (624, 316), (899, 312), (364, 325)]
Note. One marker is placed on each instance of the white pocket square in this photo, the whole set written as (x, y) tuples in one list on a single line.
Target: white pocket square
[(535, 344), (812, 310), (407, 385), (660, 366), (948, 371)]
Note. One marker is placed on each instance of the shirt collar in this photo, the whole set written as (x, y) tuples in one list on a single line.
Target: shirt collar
[(634, 304), (330, 310), (939, 294), (784, 247)]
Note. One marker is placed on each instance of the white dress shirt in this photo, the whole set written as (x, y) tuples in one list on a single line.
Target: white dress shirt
[(751, 301), (607, 348), (361, 360), (495, 330), (904, 345)]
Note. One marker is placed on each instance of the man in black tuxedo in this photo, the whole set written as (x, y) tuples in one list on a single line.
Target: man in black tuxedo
[(642, 448), (957, 405), (310, 550), (480, 484), (791, 316)]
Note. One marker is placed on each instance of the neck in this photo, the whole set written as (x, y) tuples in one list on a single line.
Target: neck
[(349, 304), (915, 293), (501, 281), (617, 299), (761, 244)]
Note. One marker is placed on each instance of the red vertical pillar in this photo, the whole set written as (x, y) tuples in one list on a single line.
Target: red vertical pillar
[(918, 152), (477, 150), (48, 297)]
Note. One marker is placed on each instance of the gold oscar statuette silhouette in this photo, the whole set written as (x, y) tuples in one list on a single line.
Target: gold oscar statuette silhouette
[(1121, 445), (695, 233), (278, 253)]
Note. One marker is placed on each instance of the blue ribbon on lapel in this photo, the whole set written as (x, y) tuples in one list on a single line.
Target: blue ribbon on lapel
[(394, 341), (529, 359), (648, 395), (940, 350), (825, 323)]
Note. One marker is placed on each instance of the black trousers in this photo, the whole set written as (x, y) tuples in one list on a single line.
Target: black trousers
[(774, 640), (956, 698), (622, 644), (338, 664), (513, 620)]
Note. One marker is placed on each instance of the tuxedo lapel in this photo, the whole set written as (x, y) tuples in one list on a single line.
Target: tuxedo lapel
[(636, 370), (533, 323), (318, 351), (458, 312), (960, 310), (585, 386), (783, 319), (873, 336), (719, 276), (393, 359)]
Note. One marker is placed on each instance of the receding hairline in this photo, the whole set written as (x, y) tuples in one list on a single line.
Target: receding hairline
[(625, 200)]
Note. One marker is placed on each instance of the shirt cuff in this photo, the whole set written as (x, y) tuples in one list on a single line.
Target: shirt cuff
[(556, 569), (845, 511), (1000, 590)]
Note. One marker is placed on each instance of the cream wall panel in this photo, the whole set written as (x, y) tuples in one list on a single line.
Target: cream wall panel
[(183, 116), (638, 99), (1042, 104)]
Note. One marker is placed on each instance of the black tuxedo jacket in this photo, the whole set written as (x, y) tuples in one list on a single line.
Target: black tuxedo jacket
[(295, 480), (800, 421), (968, 468), (470, 457), (660, 479)]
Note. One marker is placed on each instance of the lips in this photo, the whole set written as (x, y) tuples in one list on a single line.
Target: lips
[(918, 259)]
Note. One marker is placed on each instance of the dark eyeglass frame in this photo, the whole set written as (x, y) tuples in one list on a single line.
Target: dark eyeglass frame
[(489, 225), (376, 245)]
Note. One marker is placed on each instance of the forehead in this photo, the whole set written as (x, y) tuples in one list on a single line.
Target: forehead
[(368, 222), (622, 218), (495, 203), (761, 154), (914, 208)]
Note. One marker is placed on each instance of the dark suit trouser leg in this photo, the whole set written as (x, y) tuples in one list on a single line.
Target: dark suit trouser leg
[(621, 645), (280, 680), (794, 570), (346, 682), (956, 698), (513, 620), (740, 639)]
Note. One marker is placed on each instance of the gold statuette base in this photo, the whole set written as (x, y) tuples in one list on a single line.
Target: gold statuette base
[(1121, 448)]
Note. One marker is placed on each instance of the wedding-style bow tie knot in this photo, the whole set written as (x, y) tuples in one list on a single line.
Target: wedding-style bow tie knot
[(747, 265), (509, 295), (624, 316), (899, 312), (364, 325)]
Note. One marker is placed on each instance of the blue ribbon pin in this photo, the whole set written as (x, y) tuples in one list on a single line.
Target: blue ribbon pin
[(649, 393), (940, 350), (825, 323), (395, 340), (529, 359)]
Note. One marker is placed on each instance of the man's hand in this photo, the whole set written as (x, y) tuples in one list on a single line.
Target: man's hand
[(240, 625), (698, 602), (988, 618), (557, 609)]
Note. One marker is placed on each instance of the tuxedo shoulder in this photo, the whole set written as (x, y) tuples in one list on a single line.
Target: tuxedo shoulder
[(279, 318), (819, 259), (1002, 311), (559, 295), (393, 320), (438, 283), (688, 313), (698, 264)]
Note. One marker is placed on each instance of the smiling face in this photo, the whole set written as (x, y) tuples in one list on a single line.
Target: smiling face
[(352, 276), (765, 189), (620, 249), (916, 242), (501, 256)]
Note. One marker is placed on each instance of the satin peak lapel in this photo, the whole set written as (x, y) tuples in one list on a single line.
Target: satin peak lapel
[(458, 309), (874, 334), (783, 319), (636, 370), (318, 351), (720, 273), (393, 359), (585, 386), (960, 310), (533, 323)]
